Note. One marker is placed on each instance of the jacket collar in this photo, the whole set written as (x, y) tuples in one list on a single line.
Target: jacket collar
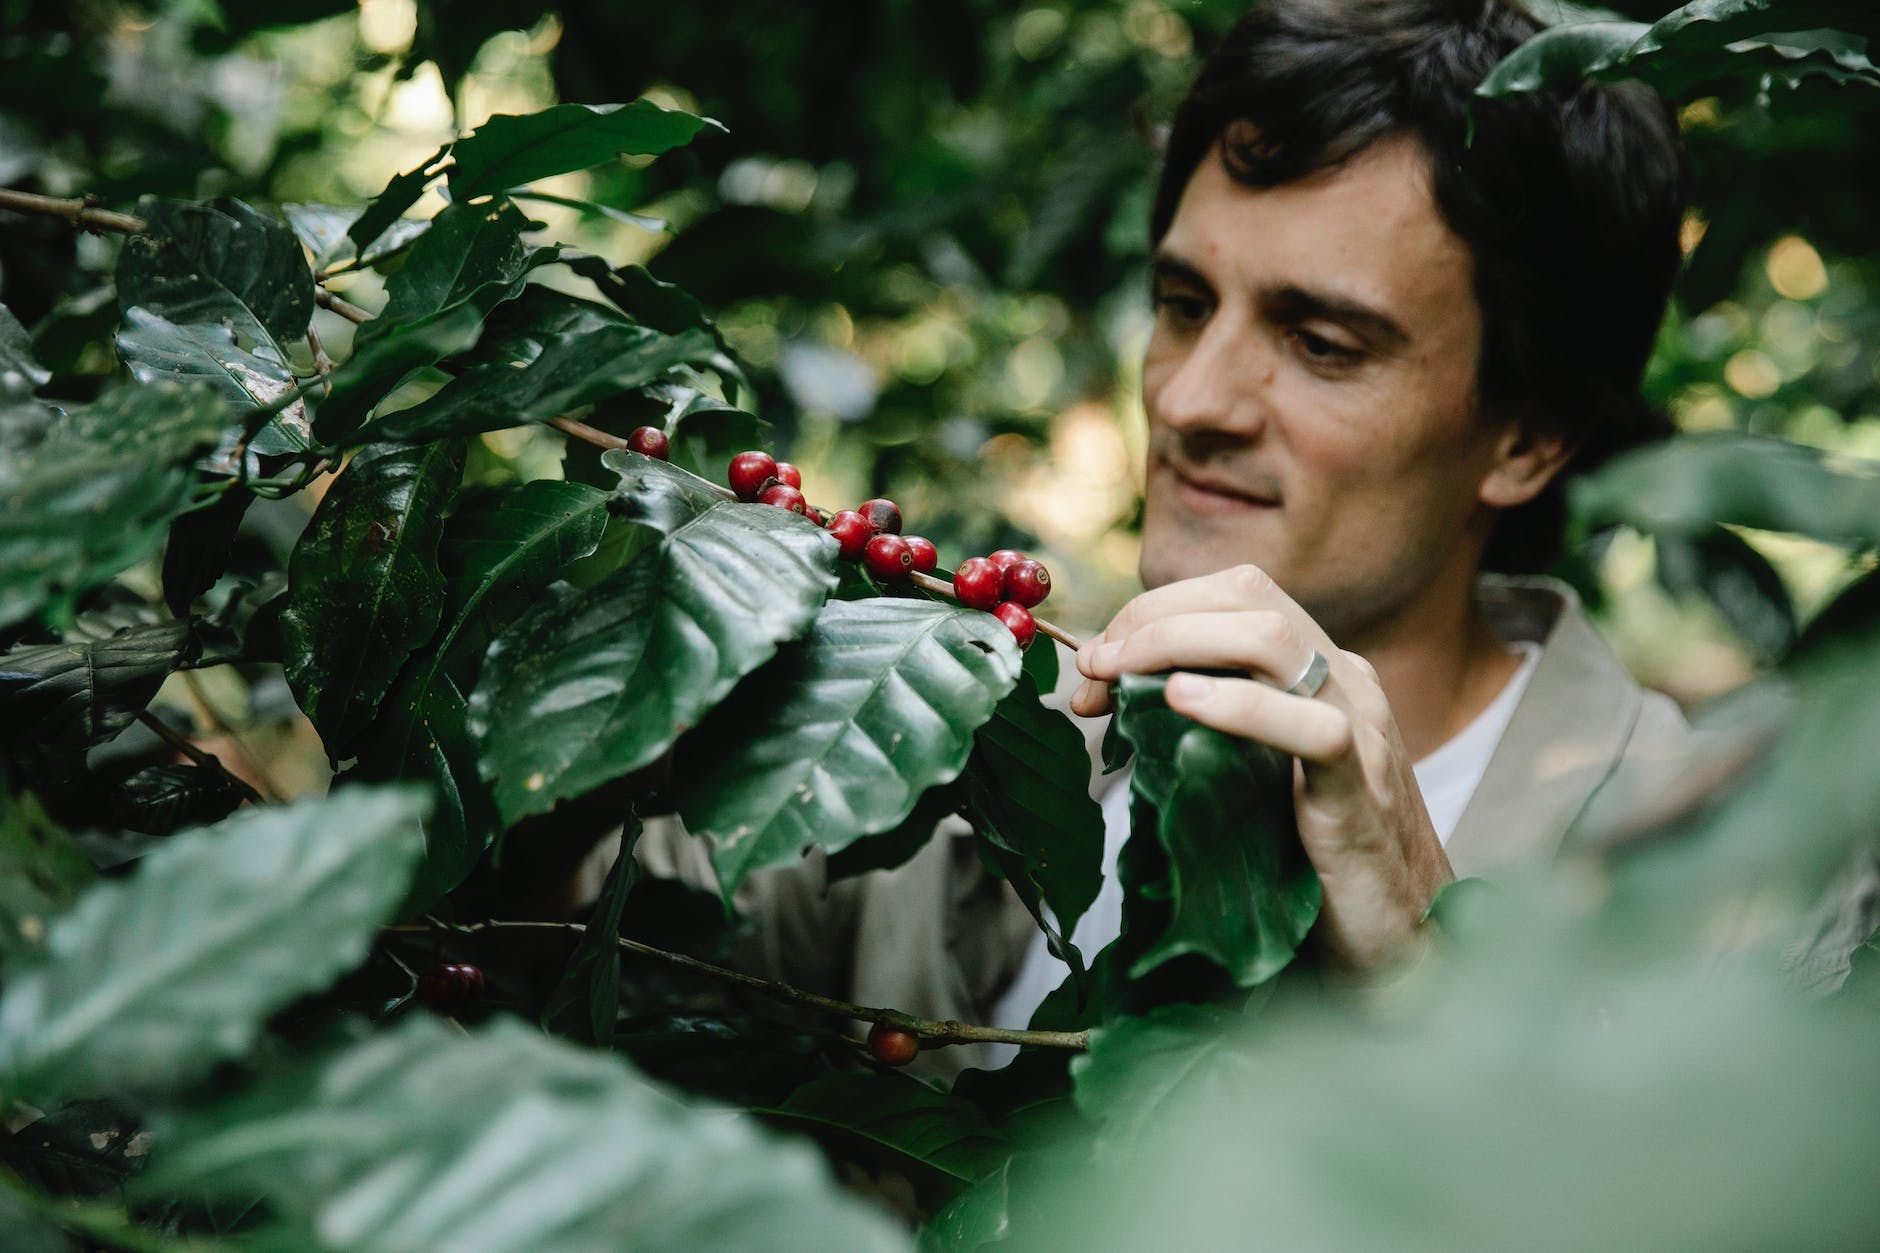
[(1566, 737)]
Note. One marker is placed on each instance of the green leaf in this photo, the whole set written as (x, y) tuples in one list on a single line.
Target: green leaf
[(559, 1148), (838, 738), (1739, 581), (472, 255), (159, 800), (1028, 794), (590, 209), (20, 374), (535, 362), (1243, 893), (65, 698), (1562, 56), (663, 306), (389, 205), (378, 365), (154, 348), (933, 1137), (97, 492), (218, 263), (153, 979), (1688, 485), (197, 554), (591, 685), (706, 433), (499, 552), (901, 845), (586, 1002), (364, 586), (1143, 1070), (510, 150), (41, 874)]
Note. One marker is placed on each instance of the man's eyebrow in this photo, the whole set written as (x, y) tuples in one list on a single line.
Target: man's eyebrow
[(1166, 265), (1296, 304)]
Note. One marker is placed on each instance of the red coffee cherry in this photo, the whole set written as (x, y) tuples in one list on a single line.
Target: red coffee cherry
[(451, 986), (888, 558), (790, 474), (783, 496), (1026, 582), (851, 530), (749, 472), (1006, 557), (1018, 619), (649, 441), (976, 584), (885, 514), (926, 556), (891, 1046), (810, 512)]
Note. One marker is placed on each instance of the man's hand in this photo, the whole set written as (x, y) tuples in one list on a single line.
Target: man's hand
[(1361, 816)]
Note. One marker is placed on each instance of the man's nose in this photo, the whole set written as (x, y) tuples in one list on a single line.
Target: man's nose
[(1218, 385)]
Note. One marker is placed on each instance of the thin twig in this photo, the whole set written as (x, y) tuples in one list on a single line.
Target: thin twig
[(214, 718), (930, 1030), (81, 213), (322, 364), (351, 312), (191, 751)]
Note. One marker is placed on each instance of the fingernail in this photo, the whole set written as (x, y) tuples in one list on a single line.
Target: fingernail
[(1190, 689)]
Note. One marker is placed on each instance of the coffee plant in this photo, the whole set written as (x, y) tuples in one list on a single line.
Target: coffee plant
[(374, 1018)]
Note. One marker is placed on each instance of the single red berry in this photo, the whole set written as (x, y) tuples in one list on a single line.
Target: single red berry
[(926, 556), (976, 583), (787, 473), (749, 472), (888, 558), (649, 441), (891, 1046), (1006, 557), (810, 512), (885, 514), (1023, 626), (450, 986), (851, 530), (783, 496), (1026, 582)]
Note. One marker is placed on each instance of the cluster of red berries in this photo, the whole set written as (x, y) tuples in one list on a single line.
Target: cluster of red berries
[(1007, 584)]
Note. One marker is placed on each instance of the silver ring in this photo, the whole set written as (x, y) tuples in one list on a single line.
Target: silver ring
[(1312, 678)]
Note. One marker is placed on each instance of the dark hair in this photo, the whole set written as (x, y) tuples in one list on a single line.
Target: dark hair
[(1570, 203)]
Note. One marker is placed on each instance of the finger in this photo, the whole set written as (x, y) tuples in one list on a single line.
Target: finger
[(1311, 730), (1240, 587), (1262, 640), (1091, 699)]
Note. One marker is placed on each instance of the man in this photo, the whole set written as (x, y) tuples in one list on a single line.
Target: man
[(1388, 320)]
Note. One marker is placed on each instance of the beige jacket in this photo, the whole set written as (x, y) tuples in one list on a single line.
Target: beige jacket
[(941, 938)]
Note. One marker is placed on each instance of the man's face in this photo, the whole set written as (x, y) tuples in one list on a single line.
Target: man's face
[(1310, 388)]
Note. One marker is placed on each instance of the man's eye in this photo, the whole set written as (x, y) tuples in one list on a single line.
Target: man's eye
[(1181, 306), (1320, 349)]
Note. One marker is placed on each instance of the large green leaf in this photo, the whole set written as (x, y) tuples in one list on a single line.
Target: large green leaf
[(509, 150), (586, 1002), (915, 1129), (20, 374), (1142, 1069), (1243, 894), (220, 262), (556, 1148), (377, 366), (473, 255), (389, 205), (255, 376), (153, 979), (839, 737), (593, 684), (41, 874), (64, 698), (1687, 486), (364, 585), (540, 357), (96, 492), (1028, 792)]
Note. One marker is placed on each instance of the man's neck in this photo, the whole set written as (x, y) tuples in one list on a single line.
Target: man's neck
[(1440, 665)]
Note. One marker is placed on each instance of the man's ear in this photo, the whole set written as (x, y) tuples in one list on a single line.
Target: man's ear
[(1525, 461)]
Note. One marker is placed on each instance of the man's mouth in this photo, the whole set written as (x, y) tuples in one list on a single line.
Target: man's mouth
[(1204, 493)]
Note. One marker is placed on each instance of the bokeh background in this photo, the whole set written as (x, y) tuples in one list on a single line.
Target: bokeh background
[(922, 227)]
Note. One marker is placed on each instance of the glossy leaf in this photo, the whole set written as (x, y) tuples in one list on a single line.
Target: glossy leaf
[(221, 262), (323, 231), (593, 684), (347, 395), (706, 432), (663, 306), (536, 365), (909, 1127), (96, 492), (1243, 894), (20, 374), (364, 585), (197, 554), (152, 979), (586, 1002), (838, 738), (472, 256), (1689, 485), (389, 205), (561, 1149), (159, 800), (510, 150), (64, 698), (1739, 581), (247, 377), (1143, 1070)]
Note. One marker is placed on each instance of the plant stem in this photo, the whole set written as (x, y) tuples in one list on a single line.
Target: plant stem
[(82, 213), (930, 1030), (351, 312)]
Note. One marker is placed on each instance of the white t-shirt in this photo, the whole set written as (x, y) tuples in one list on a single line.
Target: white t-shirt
[(1447, 778)]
